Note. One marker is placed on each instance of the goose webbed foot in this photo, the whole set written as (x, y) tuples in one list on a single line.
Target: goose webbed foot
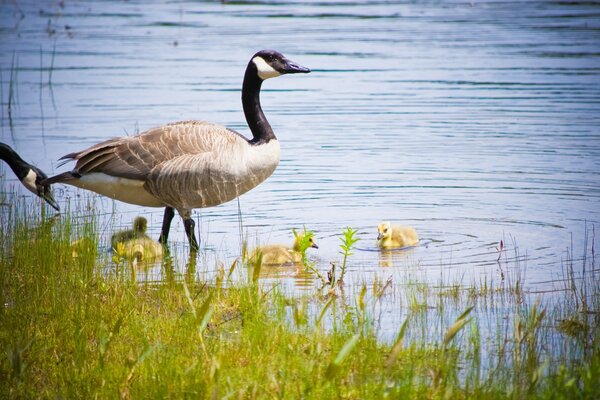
[(166, 225), (189, 225)]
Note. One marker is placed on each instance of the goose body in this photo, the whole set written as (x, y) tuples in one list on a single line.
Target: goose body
[(30, 176), (148, 169), (188, 164), (395, 236), (279, 254)]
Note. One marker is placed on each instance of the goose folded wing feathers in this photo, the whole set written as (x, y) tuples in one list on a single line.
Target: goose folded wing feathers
[(137, 156)]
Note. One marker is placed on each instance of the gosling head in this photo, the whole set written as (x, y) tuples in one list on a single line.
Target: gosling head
[(271, 63), (384, 230), (140, 224), (300, 238)]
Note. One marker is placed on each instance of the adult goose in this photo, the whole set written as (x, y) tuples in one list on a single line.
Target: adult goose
[(189, 164), (30, 176)]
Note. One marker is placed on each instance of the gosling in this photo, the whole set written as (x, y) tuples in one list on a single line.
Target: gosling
[(395, 236), (279, 254), (134, 244), (141, 249), (140, 224)]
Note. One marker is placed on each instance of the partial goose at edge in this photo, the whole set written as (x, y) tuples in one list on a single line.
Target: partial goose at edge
[(30, 176)]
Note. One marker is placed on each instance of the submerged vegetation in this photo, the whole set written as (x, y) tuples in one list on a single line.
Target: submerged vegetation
[(84, 327)]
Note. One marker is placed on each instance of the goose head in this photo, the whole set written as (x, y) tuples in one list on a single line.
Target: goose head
[(33, 182), (384, 230), (271, 63)]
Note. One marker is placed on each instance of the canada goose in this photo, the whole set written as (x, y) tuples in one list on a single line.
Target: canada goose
[(278, 254), (392, 236), (189, 164), (30, 176)]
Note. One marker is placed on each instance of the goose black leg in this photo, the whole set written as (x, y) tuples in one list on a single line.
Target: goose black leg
[(166, 225), (189, 225)]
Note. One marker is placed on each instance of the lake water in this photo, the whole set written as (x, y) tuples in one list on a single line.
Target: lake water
[(472, 122)]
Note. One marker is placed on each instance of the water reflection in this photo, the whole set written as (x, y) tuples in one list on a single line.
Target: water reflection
[(296, 275), (397, 257)]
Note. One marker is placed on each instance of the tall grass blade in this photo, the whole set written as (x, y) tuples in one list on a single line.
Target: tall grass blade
[(398, 344), (205, 313), (324, 310), (456, 327), (336, 365), (256, 267), (188, 296)]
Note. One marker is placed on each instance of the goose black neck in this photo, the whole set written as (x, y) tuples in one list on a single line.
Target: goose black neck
[(260, 127), (16, 163)]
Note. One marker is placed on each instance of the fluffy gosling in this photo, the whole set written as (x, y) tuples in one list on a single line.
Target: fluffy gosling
[(134, 244), (141, 249), (140, 224), (395, 236), (279, 254)]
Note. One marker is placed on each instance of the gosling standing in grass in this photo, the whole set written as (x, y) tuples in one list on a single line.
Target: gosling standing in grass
[(279, 254), (395, 236), (134, 244)]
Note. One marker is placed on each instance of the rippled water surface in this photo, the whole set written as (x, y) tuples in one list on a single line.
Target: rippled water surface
[(473, 122)]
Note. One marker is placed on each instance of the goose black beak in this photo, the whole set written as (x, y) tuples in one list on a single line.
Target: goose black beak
[(291, 67), (379, 236), (47, 195), (314, 246)]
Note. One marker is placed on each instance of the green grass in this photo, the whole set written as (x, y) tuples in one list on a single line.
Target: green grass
[(82, 328)]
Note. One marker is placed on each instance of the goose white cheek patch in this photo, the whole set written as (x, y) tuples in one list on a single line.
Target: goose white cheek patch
[(265, 71), (29, 181)]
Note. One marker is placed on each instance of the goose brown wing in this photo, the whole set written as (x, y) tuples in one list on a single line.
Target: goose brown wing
[(135, 157)]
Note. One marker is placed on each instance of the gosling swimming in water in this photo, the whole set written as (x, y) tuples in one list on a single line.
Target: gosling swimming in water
[(279, 254), (395, 236), (135, 244)]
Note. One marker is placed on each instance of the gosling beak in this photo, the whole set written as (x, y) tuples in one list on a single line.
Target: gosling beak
[(314, 246), (291, 67), (379, 236)]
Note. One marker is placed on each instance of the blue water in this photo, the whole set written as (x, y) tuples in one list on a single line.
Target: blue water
[(473, 122)]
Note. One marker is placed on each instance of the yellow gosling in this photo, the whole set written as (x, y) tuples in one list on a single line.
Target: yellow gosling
[(140, 224), (134, 244), (279, 254), (141, 249), (395, 236)]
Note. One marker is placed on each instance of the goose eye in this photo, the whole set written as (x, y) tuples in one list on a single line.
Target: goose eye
[(385, 230)]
